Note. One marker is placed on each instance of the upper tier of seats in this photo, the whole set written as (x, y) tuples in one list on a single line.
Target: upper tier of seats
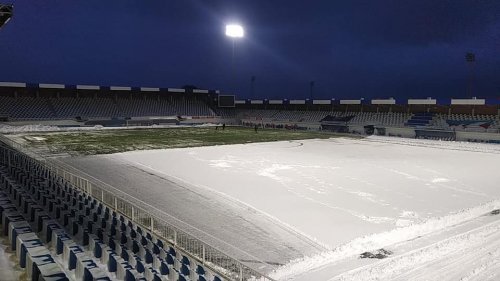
[(84, 107), (480, 123), (26, 108), (371, 118)]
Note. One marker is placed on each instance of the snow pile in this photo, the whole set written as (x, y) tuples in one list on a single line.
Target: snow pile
[(403, 267), (466, 256), (6, 129), (381, 240), (451, 145)]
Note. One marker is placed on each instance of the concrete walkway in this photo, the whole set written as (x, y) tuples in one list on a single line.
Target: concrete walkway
[(9, 269)]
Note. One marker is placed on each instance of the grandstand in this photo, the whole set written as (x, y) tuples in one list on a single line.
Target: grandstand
[(51, 101), (65, 226), (22, 101)]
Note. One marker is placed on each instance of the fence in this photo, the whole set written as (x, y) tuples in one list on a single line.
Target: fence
[(180, 235)]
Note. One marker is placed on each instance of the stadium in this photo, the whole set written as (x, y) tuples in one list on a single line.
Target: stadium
[(185, 183)]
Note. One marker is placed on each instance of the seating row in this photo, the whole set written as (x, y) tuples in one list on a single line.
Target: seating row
[(88, 234), (36, 259)]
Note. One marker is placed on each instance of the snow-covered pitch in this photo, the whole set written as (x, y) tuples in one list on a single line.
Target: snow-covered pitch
[(425, 201)]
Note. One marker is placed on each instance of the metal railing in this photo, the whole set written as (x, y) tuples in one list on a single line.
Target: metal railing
[(183, 237)]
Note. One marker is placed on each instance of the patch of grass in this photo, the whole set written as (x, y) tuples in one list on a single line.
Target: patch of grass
[(114, 141)]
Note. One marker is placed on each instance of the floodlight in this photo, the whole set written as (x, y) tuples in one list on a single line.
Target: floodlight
[(235, 31), (6, 12)]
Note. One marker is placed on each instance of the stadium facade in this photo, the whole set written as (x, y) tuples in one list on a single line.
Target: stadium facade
[(472, 119)]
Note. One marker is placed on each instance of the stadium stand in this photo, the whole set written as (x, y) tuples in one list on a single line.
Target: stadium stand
[(84, 107), (256, 113), (300, 116), (371, 118), (387, 119), (226, 112), (480, 123), (145, 107), (26, 108), (40, 108), (191, 107), (420, 119), (59, 233), (466, 122), (122, 106)]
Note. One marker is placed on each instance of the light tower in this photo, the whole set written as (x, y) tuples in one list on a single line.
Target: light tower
[(470, 58), (234, 31), (311, 87)]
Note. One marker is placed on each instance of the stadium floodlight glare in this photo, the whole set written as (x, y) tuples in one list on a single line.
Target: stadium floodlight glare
[(235, 31)]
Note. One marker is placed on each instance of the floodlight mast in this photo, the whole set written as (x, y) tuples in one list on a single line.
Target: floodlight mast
[(470, 58), (234, 31)]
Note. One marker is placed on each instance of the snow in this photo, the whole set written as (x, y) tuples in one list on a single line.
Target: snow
[(478, 247), (8, 129), (384, 239), (350, 195)]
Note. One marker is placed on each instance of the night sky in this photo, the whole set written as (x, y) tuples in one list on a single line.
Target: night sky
[(351, 49)]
